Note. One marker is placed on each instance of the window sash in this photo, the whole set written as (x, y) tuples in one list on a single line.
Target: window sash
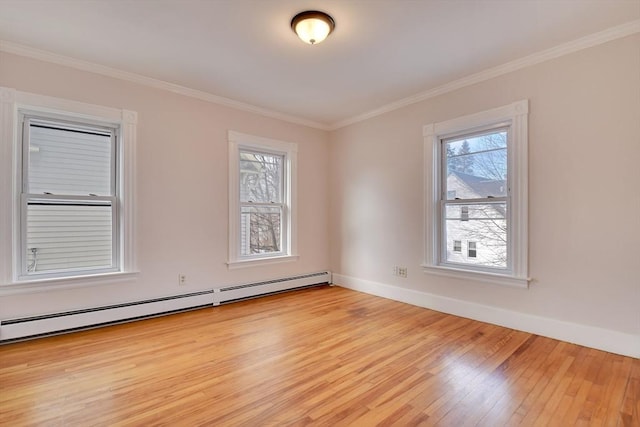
[(29, 120), (471, 219), (54, 201), (280, 192), (281, 209), (486, 130), (282, 204)]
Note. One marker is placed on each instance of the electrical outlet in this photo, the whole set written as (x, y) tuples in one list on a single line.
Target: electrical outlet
[(182, 279), (400, 271)]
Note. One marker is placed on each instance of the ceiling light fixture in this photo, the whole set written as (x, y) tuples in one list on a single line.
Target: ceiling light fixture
[(312, 26)]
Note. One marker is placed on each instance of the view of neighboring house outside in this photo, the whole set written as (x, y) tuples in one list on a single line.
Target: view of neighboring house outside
[(476, 233)]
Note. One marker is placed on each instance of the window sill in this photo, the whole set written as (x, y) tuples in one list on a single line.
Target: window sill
[(256, 262), (479, 276), (57, 283)]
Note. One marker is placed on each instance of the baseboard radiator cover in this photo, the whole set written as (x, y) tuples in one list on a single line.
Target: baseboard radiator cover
[(269, 287), (70, 321)]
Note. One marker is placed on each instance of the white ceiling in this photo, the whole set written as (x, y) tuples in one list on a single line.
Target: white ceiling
[(380, 52)]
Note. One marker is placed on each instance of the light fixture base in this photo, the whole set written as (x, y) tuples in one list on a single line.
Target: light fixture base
[(312, 26)]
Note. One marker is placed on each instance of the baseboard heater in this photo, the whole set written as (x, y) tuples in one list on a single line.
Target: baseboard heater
[(69, 321), (269, 287), (19, 329)]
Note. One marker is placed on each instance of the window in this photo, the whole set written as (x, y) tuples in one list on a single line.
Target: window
[(475, 167), (261, 208), (464, 213), (72, 210), (476, 176), (471, 250), (457, 246), (261, 204), (69, 209)]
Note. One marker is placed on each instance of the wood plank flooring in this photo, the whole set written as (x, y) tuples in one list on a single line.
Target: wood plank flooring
[(327, 357)]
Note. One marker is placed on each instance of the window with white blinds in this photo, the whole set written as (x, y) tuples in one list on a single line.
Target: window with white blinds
[(69, 204)]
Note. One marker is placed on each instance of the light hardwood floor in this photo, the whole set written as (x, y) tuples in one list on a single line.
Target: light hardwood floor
[(326, 356)]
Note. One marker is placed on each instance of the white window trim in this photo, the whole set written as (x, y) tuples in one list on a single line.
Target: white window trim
[(517, 115), (12, 102), (239, 141)]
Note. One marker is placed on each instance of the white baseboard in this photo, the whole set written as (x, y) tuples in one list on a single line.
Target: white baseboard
[(588, 336)]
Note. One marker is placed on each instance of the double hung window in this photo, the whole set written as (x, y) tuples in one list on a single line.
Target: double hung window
[(69, 206), (67, 175), (472, 253), (474, 168), (262, 200), (476, 181), (262, 208)]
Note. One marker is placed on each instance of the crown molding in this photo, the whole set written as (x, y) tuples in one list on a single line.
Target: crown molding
[(591, 40), (29, 52)]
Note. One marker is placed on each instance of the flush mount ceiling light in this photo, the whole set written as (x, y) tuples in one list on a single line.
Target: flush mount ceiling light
[(312, 26)]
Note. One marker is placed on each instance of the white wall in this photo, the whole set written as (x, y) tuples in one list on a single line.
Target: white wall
[(182, 185), (584, 205)]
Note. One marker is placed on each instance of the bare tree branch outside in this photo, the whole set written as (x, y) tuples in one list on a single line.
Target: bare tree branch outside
[(261, 199)]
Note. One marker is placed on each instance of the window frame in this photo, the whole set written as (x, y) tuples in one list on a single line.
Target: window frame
[(514, 117), (14, 107), (243, 142)]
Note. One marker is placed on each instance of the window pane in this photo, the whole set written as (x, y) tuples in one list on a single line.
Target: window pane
[(477, 166), (464, 213), (69, 162), (472, 250), (260, 177), (61, 237), (260, 230), (486, 228)]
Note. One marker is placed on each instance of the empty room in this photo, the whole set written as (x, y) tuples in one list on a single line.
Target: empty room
[(327, 213)]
